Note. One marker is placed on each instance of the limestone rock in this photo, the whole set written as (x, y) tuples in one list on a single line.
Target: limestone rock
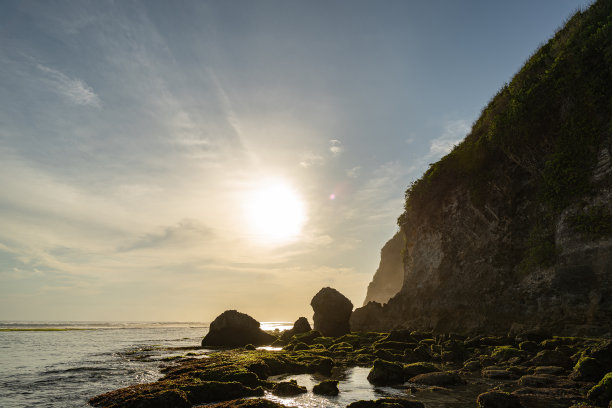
[(389, 276), (332, 311), (234, 329)]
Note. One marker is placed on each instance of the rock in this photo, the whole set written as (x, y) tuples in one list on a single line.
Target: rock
[(414, 369), (300, 326), (588, 369), (439, 378), (247, 403), (552, 370), (547, 397), (552, 358), (498, 374), (601, 393), (387, 402), (332, 311), (327, 387), (541, 380), (288, 389), (388, 278), (386, 373), (234, 329), (368, 318), (496, 399)]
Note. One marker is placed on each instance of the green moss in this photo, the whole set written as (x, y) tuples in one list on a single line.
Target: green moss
[(503, 353), (601, 393), (595, 221)]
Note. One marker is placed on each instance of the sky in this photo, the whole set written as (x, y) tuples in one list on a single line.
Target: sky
[(167, 161)]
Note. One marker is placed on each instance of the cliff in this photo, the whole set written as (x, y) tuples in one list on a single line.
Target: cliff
[(512, 230), (389, 276)]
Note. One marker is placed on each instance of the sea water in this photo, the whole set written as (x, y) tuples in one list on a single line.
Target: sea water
[(64, 364)]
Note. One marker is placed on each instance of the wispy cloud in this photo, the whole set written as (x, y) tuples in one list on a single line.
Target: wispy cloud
[(73, 89), (353, 172), (180, 234), (335, 147), (454, 132), (311, 159)]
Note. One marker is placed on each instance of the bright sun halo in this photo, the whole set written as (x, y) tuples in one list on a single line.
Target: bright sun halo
[(275, 212)]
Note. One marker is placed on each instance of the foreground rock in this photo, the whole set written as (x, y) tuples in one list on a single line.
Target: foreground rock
[(328, 387), (496, 399), (234, 329), (332, 311)]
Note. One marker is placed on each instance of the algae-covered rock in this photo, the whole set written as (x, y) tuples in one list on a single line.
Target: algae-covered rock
[(601, 393), (588, 369), (332, 311), (300, 326), (414, 369), (497, 399), (386, 402), (552, 358), (288, 389), (327, 387), (234, 329), (386, 373), (438, 378)]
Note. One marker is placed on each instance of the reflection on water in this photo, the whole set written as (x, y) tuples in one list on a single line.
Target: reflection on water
[(354, 386), (272, 326)]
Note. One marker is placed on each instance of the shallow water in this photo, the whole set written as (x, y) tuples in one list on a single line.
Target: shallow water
[(354, 386)]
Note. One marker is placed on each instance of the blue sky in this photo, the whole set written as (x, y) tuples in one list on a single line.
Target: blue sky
[(133, 135)]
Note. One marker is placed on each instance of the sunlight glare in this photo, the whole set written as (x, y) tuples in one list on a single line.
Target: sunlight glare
[(276, 212)]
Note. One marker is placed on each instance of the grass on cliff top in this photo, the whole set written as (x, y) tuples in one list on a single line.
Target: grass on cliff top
[(549, 122)]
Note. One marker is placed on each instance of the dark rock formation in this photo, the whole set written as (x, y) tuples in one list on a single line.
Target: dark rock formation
[(235, 329), (332, 311), (512, 230), (386, 373), (438, 378), (327, 387), (496, 399), (389, 276), (288, 389), (300, 326)]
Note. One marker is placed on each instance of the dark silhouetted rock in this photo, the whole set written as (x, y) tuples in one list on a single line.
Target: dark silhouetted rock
[(328, 387), (300, 326), (332, 311), (368, 318), (495, 399), (235, 329)]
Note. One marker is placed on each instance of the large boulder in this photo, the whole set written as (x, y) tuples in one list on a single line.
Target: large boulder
[(332, 311), (234, 329)]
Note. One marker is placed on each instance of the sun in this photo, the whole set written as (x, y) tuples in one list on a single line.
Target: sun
[(275, 212)]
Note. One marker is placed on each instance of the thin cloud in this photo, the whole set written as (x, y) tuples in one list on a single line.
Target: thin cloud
[(179, 234), (454, 133), (335, 147), (353, 172), (73, 89), (310, 159)]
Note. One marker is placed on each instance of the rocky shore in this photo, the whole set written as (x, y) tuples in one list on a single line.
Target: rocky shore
[(529, 370)]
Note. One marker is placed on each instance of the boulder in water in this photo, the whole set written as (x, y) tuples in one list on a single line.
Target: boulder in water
[(234, 329)]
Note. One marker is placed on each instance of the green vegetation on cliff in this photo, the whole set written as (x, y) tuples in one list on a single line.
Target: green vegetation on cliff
[(548, 123)]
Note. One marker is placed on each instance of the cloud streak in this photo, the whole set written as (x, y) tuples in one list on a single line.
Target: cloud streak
[(74, 90)]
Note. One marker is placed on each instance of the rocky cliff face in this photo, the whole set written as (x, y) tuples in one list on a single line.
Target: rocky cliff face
[(389, 276), (512, 230)]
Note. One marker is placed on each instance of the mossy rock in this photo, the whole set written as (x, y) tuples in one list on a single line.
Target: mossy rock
[(342, 346), (393, 345), (438, 378), (247, 403), (328, 387), (414, 369), (601, 394), (588, 369), (497, 399), (386, 373), (529, 346), (288, 389), (504, 353)]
